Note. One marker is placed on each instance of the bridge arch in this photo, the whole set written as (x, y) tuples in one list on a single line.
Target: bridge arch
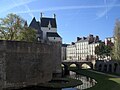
[(110, 67), (86, 65), (73, 65), (105, 67), (115, 67), (65, 69), (100, 67), (77, 64)]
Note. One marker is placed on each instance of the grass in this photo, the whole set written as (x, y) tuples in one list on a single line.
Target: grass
[(103, 82), (110, 73)]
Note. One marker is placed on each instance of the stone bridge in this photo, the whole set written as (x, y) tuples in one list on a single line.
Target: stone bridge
[(78, 64)]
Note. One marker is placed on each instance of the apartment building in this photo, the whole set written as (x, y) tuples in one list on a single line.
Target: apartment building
[(83, 48), (71, 51), (109, 41)]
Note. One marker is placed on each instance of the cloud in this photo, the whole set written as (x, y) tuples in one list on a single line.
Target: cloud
[(28, 9), (70, 7), (16, 5), (108, 7), (30, 14)]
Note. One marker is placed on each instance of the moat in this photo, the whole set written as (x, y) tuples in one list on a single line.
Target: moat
[(87, 83)]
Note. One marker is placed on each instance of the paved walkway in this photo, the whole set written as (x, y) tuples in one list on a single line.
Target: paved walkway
[(115, 76)]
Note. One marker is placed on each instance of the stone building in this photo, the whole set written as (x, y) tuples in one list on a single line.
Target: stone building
[(24, 63), (46, 29), (83, 49)]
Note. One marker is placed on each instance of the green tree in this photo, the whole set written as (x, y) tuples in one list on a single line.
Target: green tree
[(28, 34), (13, 27), (99, 50), (107, 50), (116, 48), (103, 50), (10, 27)]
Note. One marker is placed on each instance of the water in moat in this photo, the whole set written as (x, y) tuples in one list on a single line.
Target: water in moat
[(87, 83)]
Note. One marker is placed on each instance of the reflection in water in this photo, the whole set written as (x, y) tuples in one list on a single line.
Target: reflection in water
[(70, 89), (87, 82)]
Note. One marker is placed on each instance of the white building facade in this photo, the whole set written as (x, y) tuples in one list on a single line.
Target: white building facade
[(83, 49), (109, 40), (71, 52)]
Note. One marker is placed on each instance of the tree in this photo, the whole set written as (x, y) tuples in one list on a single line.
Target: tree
[(103, 50), (13, 27), (107, 50), (116, 48), (99, 50), (10, 27), (28, 34)]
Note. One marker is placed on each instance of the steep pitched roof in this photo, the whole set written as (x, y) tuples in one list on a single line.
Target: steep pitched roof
[(34, 24), (53, 34), (45, 21)]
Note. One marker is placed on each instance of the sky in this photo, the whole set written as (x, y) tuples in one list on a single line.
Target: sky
[(75, 18)]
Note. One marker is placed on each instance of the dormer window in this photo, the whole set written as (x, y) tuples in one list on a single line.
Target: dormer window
[(49, 25)]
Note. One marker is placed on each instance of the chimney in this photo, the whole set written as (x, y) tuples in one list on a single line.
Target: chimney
[(91, 38), (73, 43), (41, 14), (96, 38), (84, 38), (54, 16), (78, 38)]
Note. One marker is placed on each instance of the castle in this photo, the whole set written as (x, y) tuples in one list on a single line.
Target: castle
[(46, 29), (26, 63)]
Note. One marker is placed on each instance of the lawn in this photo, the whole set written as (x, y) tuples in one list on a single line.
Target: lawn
[(103, 82)]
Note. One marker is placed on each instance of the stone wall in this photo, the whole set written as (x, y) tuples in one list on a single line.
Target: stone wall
[(57, 70), (108, 66), (23, 63)]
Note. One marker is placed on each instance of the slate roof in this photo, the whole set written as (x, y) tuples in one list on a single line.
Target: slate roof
[(65, 45), (53, 34), (45, 21), (36, 25)]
